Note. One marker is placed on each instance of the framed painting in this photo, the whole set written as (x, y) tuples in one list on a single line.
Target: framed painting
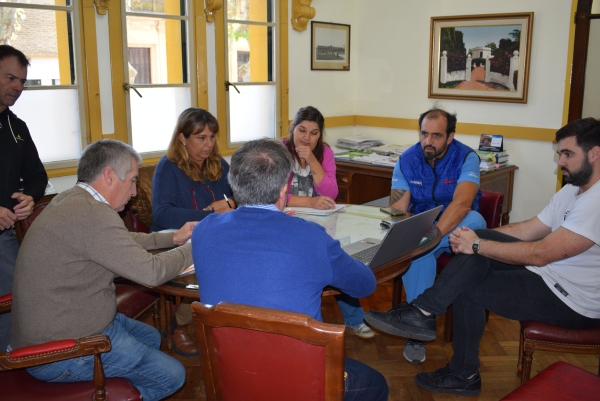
[(329, 46), (480, 57)]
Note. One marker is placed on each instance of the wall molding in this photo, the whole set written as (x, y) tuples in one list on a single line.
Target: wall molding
[(508, 131)]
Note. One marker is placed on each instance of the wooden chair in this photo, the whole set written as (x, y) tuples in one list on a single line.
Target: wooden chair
[(18, 385), (138, 212), (559, 382), (23, 225), (251, 353), (547, 337)]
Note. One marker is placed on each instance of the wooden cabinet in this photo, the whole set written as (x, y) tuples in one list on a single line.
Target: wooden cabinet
[(360, 183)]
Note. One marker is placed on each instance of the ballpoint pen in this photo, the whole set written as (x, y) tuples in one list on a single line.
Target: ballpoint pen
[(227, 200)]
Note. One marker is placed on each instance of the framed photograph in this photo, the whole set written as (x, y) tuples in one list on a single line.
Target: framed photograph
[(329, 46), (480, 57)]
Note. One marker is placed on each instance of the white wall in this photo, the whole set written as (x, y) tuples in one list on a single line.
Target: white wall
[(389, 78), (332, 92)]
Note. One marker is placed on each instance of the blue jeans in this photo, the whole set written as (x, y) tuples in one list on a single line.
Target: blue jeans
[(364, 383), (135, 355), (421, 273), (9, 248), (352, 312), (474, 283)]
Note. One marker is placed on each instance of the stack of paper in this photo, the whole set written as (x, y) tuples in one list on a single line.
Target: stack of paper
[(492, 160), (310, 210), (390, 150), (359, 142)]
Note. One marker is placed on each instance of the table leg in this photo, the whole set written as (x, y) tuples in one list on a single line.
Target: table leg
[(169, 321), (397, 292)]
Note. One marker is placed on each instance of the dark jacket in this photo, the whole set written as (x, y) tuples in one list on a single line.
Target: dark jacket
[(19, 159)]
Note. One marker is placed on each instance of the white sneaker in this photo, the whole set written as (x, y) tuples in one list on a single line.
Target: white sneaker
[(363, 331)]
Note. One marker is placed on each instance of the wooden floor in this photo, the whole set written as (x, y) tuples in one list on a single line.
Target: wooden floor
[(498, 354)]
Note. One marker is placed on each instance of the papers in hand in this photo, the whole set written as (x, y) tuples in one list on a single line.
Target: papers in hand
[(310, 210), (187, 271)]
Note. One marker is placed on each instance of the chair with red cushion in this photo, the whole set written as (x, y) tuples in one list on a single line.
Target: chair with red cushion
[(547, 337), (18, 385), (279, 355), (23, 225), (138, 211), (559, 382)]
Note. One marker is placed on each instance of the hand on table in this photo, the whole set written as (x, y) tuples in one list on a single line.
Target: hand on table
[(322, 202), (461, 240), (182, 235), (25, 206)]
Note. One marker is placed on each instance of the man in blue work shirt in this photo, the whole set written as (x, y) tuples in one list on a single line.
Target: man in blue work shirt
[(438, 170)]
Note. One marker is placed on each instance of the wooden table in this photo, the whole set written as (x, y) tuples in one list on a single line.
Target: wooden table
[(360, 183), (187, 286)]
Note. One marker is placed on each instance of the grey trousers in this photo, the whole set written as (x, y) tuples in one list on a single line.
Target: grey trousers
[(9, 248)]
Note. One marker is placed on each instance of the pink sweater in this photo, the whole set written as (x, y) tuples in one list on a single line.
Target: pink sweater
[(328, 186)]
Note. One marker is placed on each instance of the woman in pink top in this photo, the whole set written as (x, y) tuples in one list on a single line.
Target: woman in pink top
[(312, 182)]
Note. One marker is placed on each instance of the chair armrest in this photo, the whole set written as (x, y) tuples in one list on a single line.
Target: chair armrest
[(490, 207), (134, 224), (5, 303), (54, 351)]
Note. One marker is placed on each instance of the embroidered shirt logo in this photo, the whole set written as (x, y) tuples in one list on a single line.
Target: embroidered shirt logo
[(447, 181), (416, 182)]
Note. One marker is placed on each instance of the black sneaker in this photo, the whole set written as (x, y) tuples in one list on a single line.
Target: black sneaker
[(444, 381), (404, 320)]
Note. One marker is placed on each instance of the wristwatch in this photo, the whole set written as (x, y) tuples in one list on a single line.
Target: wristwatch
[(475, 246)]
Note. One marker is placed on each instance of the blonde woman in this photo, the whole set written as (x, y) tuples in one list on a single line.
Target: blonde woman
[(190, 183)]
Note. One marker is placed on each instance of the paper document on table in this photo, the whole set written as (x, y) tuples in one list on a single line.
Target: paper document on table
[(316, 212), (172, 230), (365, 211), (187, 271)]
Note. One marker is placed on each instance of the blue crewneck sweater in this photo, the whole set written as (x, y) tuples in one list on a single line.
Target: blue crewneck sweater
[(173, 198), (266, 258)]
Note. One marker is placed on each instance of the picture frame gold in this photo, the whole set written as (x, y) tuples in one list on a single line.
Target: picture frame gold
[(329, 46), (481, 57)]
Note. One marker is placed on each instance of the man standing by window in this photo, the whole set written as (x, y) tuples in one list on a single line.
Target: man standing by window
[(19, 159)]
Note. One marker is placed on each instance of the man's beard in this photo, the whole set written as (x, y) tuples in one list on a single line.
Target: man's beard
[(581, 176), (435, 154)]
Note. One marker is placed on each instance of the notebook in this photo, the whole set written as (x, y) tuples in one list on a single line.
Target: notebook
[(403, 237)]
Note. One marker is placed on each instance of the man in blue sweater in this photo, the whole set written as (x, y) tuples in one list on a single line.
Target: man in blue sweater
[(257, 255), (438, 170)]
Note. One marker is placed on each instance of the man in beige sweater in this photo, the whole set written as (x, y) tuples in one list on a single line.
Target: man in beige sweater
[(63, 285)]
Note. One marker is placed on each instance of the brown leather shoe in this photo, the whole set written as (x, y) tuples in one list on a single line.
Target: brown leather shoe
[(183, 344)]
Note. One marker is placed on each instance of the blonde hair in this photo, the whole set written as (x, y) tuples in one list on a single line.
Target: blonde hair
[(191, 122)]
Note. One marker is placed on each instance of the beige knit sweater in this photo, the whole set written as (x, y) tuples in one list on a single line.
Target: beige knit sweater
[(63, 285)]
